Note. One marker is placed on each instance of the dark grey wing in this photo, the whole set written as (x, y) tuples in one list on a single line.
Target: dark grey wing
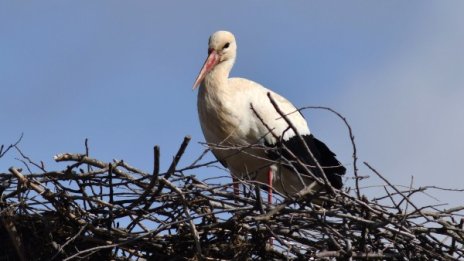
[(326, 158)]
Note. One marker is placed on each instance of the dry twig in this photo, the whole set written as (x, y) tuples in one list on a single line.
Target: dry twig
[(116, 211)]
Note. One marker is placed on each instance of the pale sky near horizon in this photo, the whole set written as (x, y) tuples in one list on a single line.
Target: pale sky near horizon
[(120, 73)]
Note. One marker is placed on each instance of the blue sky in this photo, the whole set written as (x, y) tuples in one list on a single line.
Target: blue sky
[(120, 73)]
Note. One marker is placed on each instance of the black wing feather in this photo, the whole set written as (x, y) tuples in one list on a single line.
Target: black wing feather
[(326, 158)]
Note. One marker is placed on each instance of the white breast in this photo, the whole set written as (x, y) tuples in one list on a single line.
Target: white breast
[(227, 120)]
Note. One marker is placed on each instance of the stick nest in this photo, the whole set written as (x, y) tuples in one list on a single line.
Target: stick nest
[(94, 209)]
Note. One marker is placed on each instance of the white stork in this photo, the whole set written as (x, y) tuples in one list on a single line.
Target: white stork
[(238, 135)]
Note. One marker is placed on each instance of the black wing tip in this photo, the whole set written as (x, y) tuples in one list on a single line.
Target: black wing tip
[(336, 181), (333, 169)]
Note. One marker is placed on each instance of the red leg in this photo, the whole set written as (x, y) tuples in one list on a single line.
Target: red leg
[(269, 196), (269, 183), (236, 187)]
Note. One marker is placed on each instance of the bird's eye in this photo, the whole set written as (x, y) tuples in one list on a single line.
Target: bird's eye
[(226, 46)]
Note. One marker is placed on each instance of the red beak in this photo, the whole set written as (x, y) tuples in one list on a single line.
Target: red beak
[(211, 61)]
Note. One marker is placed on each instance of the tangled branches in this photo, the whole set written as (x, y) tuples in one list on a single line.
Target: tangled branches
[(94, 209), (113, 210)]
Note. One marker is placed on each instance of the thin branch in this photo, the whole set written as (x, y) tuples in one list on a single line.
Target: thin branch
[(3, 151)]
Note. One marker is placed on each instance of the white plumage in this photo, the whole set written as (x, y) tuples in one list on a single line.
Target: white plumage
[(238, 137)]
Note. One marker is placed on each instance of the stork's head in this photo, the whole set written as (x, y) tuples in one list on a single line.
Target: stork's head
[(222, 48)]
